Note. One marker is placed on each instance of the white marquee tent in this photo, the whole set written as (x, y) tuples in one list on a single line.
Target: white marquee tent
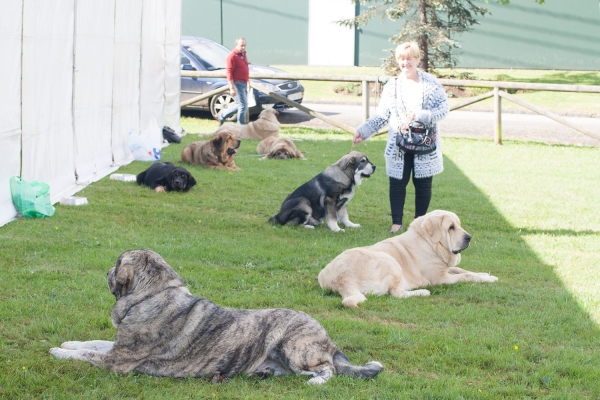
[(76, 77)]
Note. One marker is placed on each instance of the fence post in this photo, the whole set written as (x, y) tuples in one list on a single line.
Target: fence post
[(365, 100), (497, 116)]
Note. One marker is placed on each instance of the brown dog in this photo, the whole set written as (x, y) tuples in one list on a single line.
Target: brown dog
[(426, 254), (278, 148), (218, 152), (266, 125)]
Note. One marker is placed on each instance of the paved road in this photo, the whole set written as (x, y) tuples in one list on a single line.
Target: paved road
[(531, 127)]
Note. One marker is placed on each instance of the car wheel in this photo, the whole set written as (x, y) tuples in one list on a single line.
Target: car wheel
[(222, 102)]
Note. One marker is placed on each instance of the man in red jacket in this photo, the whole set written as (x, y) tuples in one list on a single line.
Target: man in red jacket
[(238, 78)]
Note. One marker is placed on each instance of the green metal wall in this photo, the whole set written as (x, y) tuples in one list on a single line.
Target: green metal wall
[(276, 31), (561, 34)]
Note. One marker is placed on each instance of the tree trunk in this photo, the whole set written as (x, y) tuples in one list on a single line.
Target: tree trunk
[(423, 37)]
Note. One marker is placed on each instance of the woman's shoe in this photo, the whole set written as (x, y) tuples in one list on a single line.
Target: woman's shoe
[(396, 228)]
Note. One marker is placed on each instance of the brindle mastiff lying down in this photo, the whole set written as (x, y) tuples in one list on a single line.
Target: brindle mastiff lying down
[(164, 330)]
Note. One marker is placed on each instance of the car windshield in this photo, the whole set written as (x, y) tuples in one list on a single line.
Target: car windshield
[(210, 55)]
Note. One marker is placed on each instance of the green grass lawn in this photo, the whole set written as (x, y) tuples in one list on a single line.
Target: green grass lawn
[(559, 102), (535, 222)]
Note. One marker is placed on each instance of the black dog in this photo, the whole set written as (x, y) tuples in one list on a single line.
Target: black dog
[(166, 177)]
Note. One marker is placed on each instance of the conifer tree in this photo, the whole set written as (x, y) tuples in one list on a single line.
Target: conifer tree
[(434, 24)]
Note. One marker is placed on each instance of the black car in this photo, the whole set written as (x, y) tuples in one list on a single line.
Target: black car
[(200, 54)]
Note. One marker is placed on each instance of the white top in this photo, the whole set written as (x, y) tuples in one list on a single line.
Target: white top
[(411, 93)]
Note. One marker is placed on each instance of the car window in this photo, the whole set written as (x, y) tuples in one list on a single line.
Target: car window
[(210, 55), (184, 59)]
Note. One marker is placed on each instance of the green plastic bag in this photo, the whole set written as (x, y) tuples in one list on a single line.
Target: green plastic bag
[(32, 200)]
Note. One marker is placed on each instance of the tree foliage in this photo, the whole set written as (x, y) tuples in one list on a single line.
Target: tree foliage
[(434, 24)]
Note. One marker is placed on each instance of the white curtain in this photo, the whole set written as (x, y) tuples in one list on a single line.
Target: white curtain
[(152, 74), (11, 24), (172, 110), (47, 94), (126, 77), (92, 91)]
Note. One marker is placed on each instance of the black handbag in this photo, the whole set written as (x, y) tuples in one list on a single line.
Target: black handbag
[(418, 137), (170, 135)]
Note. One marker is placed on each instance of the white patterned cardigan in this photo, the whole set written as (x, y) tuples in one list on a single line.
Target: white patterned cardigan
[(434, 108)]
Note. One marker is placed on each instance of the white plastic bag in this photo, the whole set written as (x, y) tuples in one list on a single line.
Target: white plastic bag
[(147, 145)]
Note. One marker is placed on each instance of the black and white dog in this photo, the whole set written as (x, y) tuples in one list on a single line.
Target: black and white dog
[(326, 195)]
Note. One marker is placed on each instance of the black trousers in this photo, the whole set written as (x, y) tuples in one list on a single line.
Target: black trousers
[(398, 191)]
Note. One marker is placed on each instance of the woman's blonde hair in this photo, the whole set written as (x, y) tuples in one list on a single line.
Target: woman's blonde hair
[(408, 49)]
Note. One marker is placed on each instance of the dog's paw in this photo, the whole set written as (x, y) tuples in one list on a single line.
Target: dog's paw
[(309, 227), (489, 278), (354, 300), (352, 225), (420, 292), (60, 353), (320, 377)]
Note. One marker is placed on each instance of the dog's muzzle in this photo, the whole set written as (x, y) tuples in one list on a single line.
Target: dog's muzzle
[(365, 174), (465, 244), (178, 184)]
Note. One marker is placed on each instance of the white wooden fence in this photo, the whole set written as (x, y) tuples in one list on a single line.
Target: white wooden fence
[(496, 91)]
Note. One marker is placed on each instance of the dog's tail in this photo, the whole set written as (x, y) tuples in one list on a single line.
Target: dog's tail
[(342, 366)]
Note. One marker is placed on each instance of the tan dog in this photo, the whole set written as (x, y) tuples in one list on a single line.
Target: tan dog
[(164, 330), (218, 152), (278, 148), (426, 254), (266, 125)]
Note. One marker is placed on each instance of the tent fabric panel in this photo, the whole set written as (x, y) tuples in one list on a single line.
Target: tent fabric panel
[(126, 77), (152, 75), (47, 91), (92, 98), (172, 110), (11, 25)]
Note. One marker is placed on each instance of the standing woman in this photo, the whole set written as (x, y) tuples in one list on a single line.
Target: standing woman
[(413, 96)]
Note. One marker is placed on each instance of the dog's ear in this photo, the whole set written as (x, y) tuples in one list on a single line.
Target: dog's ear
[(349, 162), (190, 181), (218, 141), (123, 278), (124, 274), (432, 227)]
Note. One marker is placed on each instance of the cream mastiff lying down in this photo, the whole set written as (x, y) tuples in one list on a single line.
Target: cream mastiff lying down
[(266, 125), (164, 330), (426, 254)]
